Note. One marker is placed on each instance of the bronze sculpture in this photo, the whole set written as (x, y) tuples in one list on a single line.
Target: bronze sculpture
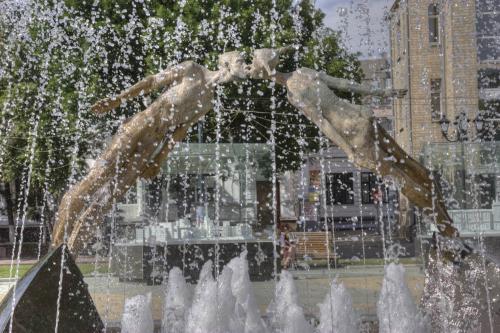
[(144, 141), (353, 129)]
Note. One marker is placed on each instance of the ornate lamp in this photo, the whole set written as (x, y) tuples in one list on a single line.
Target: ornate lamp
[(461, 126)]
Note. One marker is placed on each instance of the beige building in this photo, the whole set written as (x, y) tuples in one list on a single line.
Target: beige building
[(377, 73), (446, 54)]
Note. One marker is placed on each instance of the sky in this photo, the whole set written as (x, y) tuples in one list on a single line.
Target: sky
[(361, 22)]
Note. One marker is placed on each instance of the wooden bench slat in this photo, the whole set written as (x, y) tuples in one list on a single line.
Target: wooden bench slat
[(313, 244)]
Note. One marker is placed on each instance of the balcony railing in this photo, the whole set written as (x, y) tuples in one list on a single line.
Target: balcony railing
[(475, 221), (472, 222)]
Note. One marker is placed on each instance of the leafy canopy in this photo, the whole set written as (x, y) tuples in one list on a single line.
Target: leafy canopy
[(59, 57)]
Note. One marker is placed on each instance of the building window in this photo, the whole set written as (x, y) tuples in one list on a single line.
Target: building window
[(436, 99), (487, 6), (339, 189), (489, 78), (433, 24), (488, 48), (397, 40), (368, 187), (487, 24), (488, 29)]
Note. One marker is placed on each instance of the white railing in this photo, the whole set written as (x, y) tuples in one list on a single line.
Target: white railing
[(475, 220)]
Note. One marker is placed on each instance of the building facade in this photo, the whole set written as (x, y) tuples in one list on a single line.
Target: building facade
[(446, 54), (330, 188), (377, 73)]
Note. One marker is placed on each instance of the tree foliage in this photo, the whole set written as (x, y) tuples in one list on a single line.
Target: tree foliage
[(58, 57)]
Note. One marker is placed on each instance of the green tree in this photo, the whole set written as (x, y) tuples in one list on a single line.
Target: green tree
[(73, 52)]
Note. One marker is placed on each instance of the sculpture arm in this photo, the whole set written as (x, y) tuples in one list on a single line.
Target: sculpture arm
[(145, 86), (348, 85)]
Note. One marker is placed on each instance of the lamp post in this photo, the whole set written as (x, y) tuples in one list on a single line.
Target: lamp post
[(461, 127)]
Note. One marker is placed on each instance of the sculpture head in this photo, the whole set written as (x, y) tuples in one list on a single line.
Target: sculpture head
[(265, 61), (232, 66)]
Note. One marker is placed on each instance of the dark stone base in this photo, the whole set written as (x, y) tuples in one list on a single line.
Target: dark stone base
[(151, 264), (36, 299)]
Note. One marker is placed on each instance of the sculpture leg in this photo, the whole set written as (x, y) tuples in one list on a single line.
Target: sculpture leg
[(76, 199), (153, 167), (135, 147), (351, 128), (81, 230), (418, 185), (135, 139), (84, 228)]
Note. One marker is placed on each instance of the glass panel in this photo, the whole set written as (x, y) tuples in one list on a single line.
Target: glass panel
[(488, 6), (489, 78), (486, 187), (465, 172), (488, 48), (339, 189), (368, 187), (433, 29), (488, 24)]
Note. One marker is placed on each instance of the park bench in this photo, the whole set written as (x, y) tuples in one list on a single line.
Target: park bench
[(313, 245)]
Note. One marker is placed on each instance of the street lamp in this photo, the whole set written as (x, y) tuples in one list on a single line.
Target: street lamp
[(461, 125)]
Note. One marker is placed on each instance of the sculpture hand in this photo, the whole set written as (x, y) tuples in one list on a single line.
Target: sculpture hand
[(104, 105)]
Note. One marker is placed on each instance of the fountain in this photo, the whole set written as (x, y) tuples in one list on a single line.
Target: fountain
[(137, 316), (177, 209)]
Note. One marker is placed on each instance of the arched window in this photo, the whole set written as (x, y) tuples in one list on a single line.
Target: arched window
[(433, 13)]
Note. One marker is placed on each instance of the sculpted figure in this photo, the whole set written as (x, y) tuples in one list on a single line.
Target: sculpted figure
[(353, 129), (142, 142)]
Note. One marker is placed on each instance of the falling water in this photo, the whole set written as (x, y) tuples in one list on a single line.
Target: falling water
[(480, 238), (380, 204), (23, 197), (322, 151), (274, 26), (396, 309), (137, 316), (176, 306), (104, 47), (285, 313), (114, 187), (237, 301), (336, 311), (45, 203)]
